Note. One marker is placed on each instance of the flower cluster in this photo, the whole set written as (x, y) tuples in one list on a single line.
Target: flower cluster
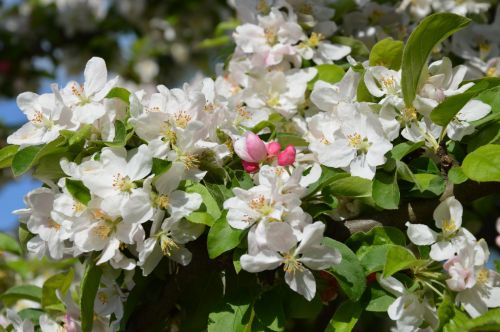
[(286, 138)]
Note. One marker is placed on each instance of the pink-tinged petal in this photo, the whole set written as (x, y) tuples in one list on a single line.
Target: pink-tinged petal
[(256, 147), (273, 149), (240, 148), (250, 167), (264, 260), (302, 282), (287, 157)]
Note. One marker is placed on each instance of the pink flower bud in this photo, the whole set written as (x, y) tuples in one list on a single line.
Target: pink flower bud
[(287, 157), (250, 167), (273, 149), (256, 148)]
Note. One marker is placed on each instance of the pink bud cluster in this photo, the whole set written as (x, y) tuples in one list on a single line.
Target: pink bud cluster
[(253, 151)]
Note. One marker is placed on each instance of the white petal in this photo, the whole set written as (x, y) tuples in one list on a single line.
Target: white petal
[(313, 235), (182, 203), (140, 164), (264, 260), (96, 75), (473, 110), (392, 285), (420, 234), (320, 257), (442, 250), (302, 282)]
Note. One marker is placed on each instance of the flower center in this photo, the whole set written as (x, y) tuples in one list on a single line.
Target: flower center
[(491, 72), (52, 224), (123, 183), (162, 201), (167, 245), (482, 276), (261, 205), (306, 9), (78, 207), (292, 264), (103, 230), (103, 297), (315, 39), (359, 143), (273, 100), (389, 83), (182, 119), (409, 114), (449, 226), (190, 161), (263, 7), (270, 36)]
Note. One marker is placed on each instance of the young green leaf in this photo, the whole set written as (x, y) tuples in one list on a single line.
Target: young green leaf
[(9, 244), (385, 191), (431, 31), (222, 238), (78, 190), (483, 164), (22, 292), (7, 154), (388, 53), (346, 317), (349, 272), (120, 93), (60, 282), (398, 258), (89, 286), (327, 72)]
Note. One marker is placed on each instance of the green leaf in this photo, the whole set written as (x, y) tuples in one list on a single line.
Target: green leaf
[(78, 190), (22, 292), (24, 235), (9, 244), (26, 158), (201, 218), (486, 135), (431, 31), (352, 186), (388, 53), (345, 317), (483, 164), (222, 238), (490, 321), (120, 93), (398, 258), (286, 139), (402, 149), (380, 299), (60, 282), (269, 310), (445, 311), (160, 166), (349, 272), (457, 175), (208, 199), (328, 175), (385, 191), (327, 72), (232, 317), (373, 258), (446, 111), (31, 314), (430, 182), (89, 286), (377, 236), (358, 48), (7, 154), (120, 135)]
